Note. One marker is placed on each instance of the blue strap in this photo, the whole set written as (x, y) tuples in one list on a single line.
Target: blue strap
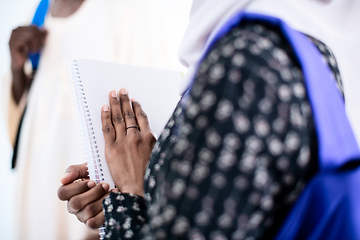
[(38, 21)]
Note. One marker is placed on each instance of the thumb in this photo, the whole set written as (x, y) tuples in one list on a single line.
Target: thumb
[(75, 172)]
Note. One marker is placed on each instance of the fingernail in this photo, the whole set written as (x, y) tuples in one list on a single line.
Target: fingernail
[(65, 176), (105, 108), (113, 94), (105, 186), (91, 184), (133, 100), (123, 91), (115, 190)]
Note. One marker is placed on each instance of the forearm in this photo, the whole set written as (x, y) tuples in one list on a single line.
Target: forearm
[(20, 83)]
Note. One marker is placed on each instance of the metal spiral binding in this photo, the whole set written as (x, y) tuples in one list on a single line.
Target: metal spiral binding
[(86, 128)]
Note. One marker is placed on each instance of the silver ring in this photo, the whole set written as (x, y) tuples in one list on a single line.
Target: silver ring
[(133, 126)]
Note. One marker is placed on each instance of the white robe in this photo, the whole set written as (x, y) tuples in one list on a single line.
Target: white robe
[(122, 31)]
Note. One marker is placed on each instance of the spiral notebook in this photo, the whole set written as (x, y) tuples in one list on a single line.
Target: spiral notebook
[(91, 80)]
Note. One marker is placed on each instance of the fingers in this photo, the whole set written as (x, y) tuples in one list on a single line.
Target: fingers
[(25, 38), (123, 113), (96, 222), (127, 111), (34, 38), (116, 115), (92, 210), (80, 201), (38, 34), (66, 192), (107, 127), (31, 36), (35, 31), (141, 116), (19, 48), (74, 172)]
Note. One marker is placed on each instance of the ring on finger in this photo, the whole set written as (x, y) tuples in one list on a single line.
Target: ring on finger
[(133, 126)]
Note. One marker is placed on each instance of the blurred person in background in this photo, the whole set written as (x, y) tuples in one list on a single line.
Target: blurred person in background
[(122, 31), (260, 146)]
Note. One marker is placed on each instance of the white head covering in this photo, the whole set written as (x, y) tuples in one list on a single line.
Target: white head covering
[(205, 16), (334, 22)]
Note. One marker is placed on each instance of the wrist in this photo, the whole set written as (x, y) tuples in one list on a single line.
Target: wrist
[(134, 190)]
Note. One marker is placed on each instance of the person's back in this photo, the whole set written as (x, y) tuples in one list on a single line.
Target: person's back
[(49, 139)]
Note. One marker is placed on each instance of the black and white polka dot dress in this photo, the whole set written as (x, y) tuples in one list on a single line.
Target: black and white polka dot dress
[(230, 164)]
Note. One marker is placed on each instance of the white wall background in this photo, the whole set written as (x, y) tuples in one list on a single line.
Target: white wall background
[(12, 14), (18, 12)]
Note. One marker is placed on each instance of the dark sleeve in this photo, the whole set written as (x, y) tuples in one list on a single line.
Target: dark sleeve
[(243, 149), (124, 215)]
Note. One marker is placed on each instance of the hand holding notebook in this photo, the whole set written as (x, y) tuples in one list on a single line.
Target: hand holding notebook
[(92, 81), (129, 141)]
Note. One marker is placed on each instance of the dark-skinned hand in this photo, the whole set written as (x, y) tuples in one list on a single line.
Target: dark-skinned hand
[(84, 196), (127, 153), (127, 150), (23, 41)]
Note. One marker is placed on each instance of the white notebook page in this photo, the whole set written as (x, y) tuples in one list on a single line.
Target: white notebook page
[(155, 89)]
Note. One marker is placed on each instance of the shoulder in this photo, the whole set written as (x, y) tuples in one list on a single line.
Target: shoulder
[(256, 51), (254, 68)]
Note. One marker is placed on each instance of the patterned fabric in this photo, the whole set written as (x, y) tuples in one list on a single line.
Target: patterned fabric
[(128, 215), (331, 61), (234, 160)]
